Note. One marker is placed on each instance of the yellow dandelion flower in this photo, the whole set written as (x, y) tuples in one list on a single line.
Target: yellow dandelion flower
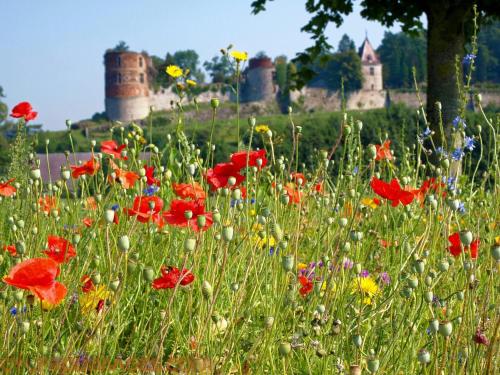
[(93, 300), (191, 83), (301, 266), (239, 56), (263, 242), (368, 202), (325, 285), (180, 86), (262, 128), (174, 71), (497, 240), (366, 287)]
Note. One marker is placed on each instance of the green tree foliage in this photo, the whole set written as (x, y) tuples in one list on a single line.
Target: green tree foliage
[(220, 69), (346, 44), (488, 56), (121, 47), (347, 66), (282, 80), (3, 107), (449, 25), (400, 53)]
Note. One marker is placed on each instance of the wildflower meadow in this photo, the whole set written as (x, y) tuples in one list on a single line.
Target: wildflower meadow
[(149, 260)]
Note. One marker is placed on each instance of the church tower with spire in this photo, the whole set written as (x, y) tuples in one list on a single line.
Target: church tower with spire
[(371, 67)]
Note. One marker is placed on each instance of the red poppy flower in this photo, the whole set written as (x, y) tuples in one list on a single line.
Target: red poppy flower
[(428, 185), (171, 277), (177, 214), (150, 179), (193, 191), (384, 151), (239, 159), (47, 203), (60, 249), (296, 176), (11, 249), (391, 191), (307, 286), (88, 168), (318, 187), (456, 246), (23, 110), (88, 222), (88, 284), (146, 208), (38, 276), (90, 204), (111, 148), (294, 194), (7, 190), (218, 176), (125, 178)]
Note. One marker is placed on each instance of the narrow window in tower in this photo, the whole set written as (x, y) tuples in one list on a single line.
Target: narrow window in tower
[(119, 78), (140, 62), (372, 71), (118, 61), (373, 87), (141, 77)]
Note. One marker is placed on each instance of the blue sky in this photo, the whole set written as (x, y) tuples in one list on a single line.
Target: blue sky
[(51, 52)]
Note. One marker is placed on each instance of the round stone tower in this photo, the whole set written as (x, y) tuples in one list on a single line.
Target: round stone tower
[(259, 80), (126, 85), (371, 67)]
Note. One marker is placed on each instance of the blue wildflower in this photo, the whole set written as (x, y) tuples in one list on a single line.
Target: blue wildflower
[(427, 132), (468, 59), (115, 207), (355, 170), (469, 143), (150, 190), (457, 121), (461, 208), (457, 154), (451, 182), (13, 311), (252, 201)]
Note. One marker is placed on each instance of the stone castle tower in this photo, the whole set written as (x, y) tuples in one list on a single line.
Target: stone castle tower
[(126, 85), (259, 80), (371, 67)]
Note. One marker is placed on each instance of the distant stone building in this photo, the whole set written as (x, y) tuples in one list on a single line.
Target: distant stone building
[(371, 67), (259, 80), (127, 85)]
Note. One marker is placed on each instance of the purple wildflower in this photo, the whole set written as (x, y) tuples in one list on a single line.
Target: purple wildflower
[(348, 264), (365, 273), (468, 59), (385, 278), (458, 121)]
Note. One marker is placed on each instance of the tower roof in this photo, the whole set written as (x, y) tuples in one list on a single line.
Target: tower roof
[(368, 54)]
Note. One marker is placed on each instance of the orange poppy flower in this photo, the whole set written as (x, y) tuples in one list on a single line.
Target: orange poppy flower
[(7, 190), (90, 204), (88, 222), (47, 203), (193, 191), (111, 148), (384, 151), (38, 276), (126, 178), (88, 168)]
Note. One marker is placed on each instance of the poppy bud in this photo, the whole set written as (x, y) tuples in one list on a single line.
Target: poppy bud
[(346, 246), (276, 231), (428, 280), (445, 328), (357, 340), (287, 262), (343, 221), (373, 365), (189, 244), (412, 282), (216, 217), (445, 163), (131, 266), (460, 296), (227, 234), (356, 236), (224, 192), (419, 266), (269, 134), (428, 296), (424, 356), (321, 309), (65, 174), (109, 216), (206, 289), (214, 103), (358, 125), (251, 121), (284, 349), (18, 296), (443, 265), (75, 239), (231, 181), (124, 243), (495, 252), (114, 285), (236, 194), (285, 199), (406, 292), (347, 129), (20, 247), (191, 169), (269, 322), (96, 278), (234, 287), (188, 214), (25, 327), (35, 174), (466, 237)]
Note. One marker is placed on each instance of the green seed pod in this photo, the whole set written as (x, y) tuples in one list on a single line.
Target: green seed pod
[(346, 246), (428, 296), (124, 243), (284, 349), (445, 163), (206, 289), (269, 321), (188, 214), (434, 325), (18, 295), (131, 266), (285, 199), (109, 216), (283, 245), (25, 327), (228, 234), (347, 129), (357, 340), (235, 287), (373, 365), (466, 237), (428, 280), (114, 285), (189, 244), (201, 220), (321, 309), (75, 239), (495, 252), (424, 356), (406, 292), (443, 265), (214, 103), (460, 296), (216, 217), (358, 125), (357, 268), (343, 222), (445, 328), (419, 266), (412, 282), (287, 262), (20, 247), (236, 194), (148, 274)]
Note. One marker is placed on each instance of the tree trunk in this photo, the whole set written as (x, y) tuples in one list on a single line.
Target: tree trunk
[(445, 41)]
